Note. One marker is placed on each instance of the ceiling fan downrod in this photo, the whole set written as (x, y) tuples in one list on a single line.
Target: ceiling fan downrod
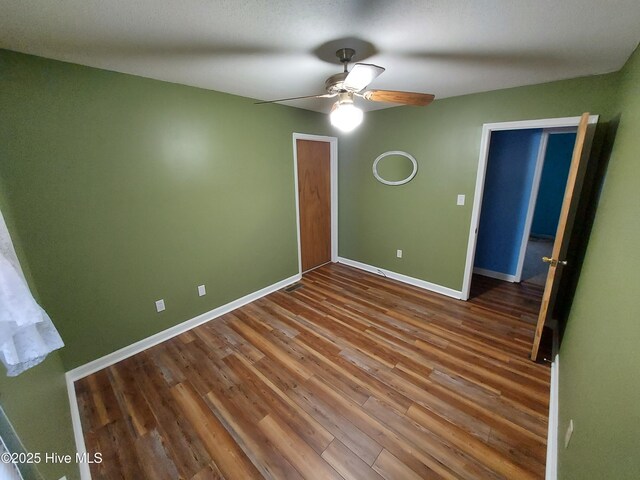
[(345, 55)]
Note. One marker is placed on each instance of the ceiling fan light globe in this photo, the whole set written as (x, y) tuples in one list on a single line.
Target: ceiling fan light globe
[(346, 116)]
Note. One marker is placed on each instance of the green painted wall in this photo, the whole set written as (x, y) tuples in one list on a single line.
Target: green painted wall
[(36, 402), (421, 217), (125, 190), (37, 406), (599, 355)]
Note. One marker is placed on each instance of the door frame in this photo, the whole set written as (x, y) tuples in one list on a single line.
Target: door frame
[(485, 142), (333, 161)]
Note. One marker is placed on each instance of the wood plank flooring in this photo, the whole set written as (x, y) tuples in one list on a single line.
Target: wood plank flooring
[(351, 376), (521, 301)]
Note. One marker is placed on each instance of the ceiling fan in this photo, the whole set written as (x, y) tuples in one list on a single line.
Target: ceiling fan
[(349, 84)]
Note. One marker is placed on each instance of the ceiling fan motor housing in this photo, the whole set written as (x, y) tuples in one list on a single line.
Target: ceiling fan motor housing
[(335, 83)]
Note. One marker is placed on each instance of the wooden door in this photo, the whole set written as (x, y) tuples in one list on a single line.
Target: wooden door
[(314, 200), (557, 262)]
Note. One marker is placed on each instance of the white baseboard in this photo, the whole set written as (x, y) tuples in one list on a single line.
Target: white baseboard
[(137, 347), (449, 292), (552, 434), (499, 275)]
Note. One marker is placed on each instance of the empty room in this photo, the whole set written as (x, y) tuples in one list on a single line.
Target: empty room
[(319, 240)]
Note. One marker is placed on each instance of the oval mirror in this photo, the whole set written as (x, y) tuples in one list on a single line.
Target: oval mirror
[(395, 168)]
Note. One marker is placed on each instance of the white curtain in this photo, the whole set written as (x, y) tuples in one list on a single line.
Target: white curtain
[(27, 334)]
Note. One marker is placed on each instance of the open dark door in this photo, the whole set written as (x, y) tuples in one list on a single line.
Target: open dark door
[(557, 262)]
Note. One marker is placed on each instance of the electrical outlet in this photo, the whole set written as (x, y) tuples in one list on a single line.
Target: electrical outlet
[(399, 253), (568, 433), (202, 291), (160, 305), (461, 199)]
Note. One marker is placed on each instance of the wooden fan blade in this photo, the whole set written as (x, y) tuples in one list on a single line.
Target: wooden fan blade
[(326, 95), (406, 98), (361, 75)]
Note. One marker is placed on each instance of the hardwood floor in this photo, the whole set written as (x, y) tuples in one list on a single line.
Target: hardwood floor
[(350, 376), (521, 301)]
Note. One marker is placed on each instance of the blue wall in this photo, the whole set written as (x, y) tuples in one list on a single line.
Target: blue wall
[(510, 169), (553, 184)]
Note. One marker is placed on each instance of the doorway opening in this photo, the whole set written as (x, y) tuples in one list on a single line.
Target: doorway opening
[(525, 181), (547, 203), (315, 166), (523, 188)]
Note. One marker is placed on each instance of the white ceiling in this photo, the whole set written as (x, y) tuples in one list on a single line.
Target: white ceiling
[(284, 48)]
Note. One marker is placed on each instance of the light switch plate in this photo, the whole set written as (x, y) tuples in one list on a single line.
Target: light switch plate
[(160, 305), (202, 291), (399, 253), (461, 199)]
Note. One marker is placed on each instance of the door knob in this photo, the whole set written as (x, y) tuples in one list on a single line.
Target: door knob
[(553, 261)]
